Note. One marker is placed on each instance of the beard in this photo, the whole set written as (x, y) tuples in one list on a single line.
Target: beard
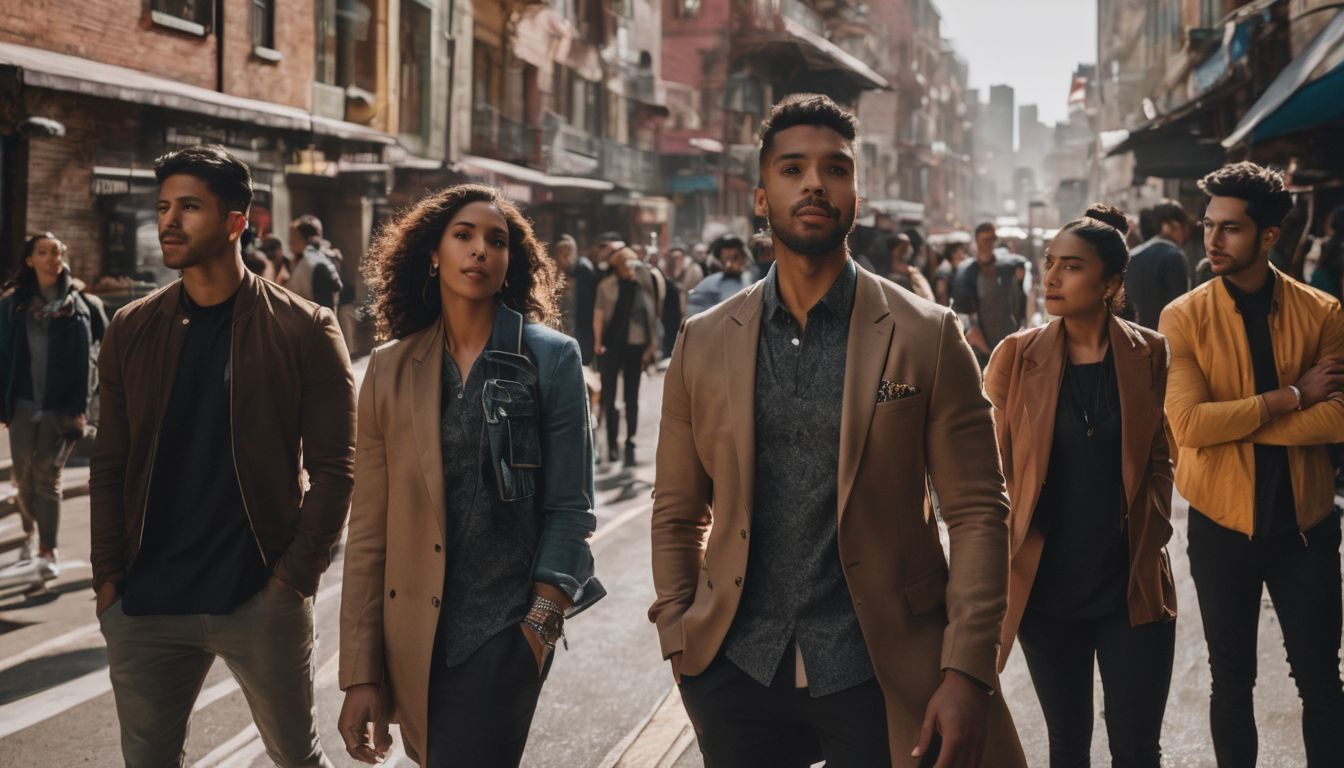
[(814, 244)]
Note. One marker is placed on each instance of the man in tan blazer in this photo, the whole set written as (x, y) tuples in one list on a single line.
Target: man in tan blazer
[(803, 598)]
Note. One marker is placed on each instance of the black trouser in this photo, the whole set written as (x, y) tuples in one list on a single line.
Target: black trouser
[(1135, 667), (625, 360), (740, 723), (1302, 573), (481, 710)]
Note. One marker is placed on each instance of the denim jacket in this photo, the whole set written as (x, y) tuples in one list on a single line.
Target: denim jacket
[(552, 488)]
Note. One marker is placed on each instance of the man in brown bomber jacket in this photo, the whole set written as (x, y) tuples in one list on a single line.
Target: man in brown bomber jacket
[(217, 392)]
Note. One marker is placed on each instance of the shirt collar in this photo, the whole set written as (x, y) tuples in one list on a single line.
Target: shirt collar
[(838, 300), (1261, 298)]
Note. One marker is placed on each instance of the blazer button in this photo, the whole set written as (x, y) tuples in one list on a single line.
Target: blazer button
[(738, 581), (744, 533), (435, 601), (709, 583), (393, 593), (438, 548)]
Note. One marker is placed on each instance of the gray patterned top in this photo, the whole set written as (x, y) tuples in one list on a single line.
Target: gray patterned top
[(795, 589)]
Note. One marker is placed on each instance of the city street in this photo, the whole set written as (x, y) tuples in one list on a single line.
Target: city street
[(609, 699)]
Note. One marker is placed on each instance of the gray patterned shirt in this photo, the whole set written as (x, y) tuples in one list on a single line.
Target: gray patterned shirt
[(795, 589), (488, 578)]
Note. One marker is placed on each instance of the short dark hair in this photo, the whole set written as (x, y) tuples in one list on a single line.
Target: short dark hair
[(1168, 211), (308, 226), (227, 177), (806, 109), (611, 237), (987, 226), (727, 241), (1267, 202)]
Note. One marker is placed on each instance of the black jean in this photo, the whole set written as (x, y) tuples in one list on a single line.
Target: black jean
[(625, 360), (1302, 573), (740, 723), (1135, 667), (480, 711)]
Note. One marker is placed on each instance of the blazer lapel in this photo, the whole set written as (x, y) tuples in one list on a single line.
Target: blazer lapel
[(426, 375), (742, 334), (1034, 430), (870, 330), (1134, 376)]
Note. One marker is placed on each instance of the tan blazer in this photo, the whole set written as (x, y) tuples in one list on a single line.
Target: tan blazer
[(394, 559), (918, 616), (1022, 381)]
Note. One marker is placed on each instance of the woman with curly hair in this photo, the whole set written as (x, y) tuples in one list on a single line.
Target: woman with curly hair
[(473, 488)]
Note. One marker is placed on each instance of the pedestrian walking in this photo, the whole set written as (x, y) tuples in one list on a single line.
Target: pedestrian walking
[(953, 255), (50, 330), (1254, 396), (626, 324), (272, 249), (734, 275), (900, 251), (803, 599), (314, 275), (1329, 273), (473, 488), (217, 392), (1078, 412), (675, 264), (762, 253), (988, 293), (1158, 270), (578, 295)]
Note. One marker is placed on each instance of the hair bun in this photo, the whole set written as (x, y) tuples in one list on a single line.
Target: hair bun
[(1108, 214)]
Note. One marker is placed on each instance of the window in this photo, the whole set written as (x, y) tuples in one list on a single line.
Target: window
[(415, 79), (185, 15), (263, 24), (686, 9), (346, 40)]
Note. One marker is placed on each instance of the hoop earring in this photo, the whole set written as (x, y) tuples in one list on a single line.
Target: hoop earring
[(433, 269)]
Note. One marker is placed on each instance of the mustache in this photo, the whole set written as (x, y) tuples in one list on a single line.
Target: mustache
[(816, 202), (173, 235)]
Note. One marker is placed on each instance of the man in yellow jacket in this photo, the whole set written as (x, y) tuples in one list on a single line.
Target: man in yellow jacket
[(1253, 398)]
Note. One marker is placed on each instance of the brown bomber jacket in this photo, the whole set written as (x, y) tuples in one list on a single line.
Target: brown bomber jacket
[(292, 409)]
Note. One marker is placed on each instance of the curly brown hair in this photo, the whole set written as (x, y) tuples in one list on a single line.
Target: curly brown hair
[(404, 298)]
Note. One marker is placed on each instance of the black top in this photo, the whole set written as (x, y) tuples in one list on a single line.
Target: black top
[(1084, 568), (488, 578), (1157, 274), (1275, 510), (794, 588), (199, 554)]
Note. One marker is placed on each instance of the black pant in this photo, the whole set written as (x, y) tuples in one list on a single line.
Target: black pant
[(740, 723), (1302, 574), (1135, 667), (481, 710), (625, 360)]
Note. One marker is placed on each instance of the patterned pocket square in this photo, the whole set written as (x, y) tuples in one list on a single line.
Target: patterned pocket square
[(890, 390)]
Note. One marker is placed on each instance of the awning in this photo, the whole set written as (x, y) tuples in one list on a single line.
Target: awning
[(72, 74), (1322, 53), (520, 173), (824, 54)]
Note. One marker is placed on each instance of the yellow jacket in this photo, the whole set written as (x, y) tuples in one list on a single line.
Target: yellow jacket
[(1216, 416)]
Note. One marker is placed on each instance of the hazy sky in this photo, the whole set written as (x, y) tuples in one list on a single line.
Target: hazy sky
[(1032, 45)]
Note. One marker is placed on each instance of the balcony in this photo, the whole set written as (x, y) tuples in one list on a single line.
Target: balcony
[(567, 150), (629, 167), (495, 136)]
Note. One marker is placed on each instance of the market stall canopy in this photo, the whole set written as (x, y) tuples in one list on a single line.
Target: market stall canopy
[(1307, 93)]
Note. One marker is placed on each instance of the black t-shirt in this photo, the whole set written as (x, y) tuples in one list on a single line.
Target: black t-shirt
[(199, 554), (1275, 510), (1084, 568)]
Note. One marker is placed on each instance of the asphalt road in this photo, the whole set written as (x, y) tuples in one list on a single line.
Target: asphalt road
[(607, 700)]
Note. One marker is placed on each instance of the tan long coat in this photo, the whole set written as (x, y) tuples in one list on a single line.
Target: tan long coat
[(918, 615)]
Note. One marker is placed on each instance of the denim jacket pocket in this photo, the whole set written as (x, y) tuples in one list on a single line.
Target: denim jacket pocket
[(511, 423)]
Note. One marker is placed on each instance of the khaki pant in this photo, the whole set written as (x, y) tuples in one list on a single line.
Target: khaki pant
[(158, 664)]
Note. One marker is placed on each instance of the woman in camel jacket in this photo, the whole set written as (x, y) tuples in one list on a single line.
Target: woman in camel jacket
[(1078, 411)]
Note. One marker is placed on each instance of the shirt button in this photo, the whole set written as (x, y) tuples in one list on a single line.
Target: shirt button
[(186, 321), (744, 533), (393, 593), (435, 601), (438, 548), (709, 583), (738, 581), (796, 342)]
